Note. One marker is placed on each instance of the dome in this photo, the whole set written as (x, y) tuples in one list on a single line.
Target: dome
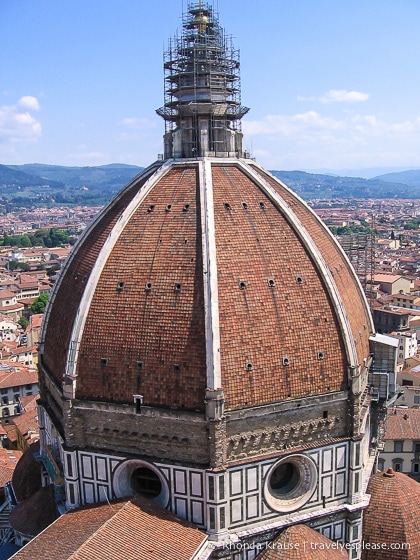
[(205, 274), (391, 520), (207, 342)]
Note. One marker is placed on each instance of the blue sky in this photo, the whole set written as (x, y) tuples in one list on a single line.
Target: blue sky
[(332, 84)]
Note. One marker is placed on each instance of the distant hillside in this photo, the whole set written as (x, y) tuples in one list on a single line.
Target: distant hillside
[(23, 186), (411, 177), (105, 176), (38, 184), (10, 177), (311, 185)]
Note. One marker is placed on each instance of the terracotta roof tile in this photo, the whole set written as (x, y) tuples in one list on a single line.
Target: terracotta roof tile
[(17, 376), (163, 328), (403, 423), (126, 531), (392, 517)]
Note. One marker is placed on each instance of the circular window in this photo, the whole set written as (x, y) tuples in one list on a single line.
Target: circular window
[(290, 483), (145, 482), (144, 479)]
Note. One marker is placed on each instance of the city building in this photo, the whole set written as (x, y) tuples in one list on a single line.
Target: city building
[(401, 450), (207, 346), (16, 380)]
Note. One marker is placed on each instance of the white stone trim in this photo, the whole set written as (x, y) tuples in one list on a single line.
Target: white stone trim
[(211, 294)]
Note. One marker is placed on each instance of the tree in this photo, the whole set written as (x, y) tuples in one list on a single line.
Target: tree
[(39, 304), (23, 322), (14, 265), (25, 241)]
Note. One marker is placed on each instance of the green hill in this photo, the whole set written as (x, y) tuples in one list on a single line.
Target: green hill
[(37, 184), (411, 177), (312, 185)]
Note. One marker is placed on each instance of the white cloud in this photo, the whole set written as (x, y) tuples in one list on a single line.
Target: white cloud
[(338, 96), (344, 96), (313, 140), (29, 102), (293, 124), (16, 122)]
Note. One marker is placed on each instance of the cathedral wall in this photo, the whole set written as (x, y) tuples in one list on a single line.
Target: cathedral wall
[(282, 426), (238, 499), (152, 432)]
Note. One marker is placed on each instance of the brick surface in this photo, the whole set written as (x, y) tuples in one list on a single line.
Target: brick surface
[(392, 518), (342, 272), (69, 294), (119, 531), (163, 328), (261, 324), (152, 342)]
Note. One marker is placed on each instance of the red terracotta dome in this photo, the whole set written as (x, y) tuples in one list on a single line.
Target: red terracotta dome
[(205, 273), (391, 522)]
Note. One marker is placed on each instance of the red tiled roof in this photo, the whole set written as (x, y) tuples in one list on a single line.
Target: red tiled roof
[(23, 350), (403, 423), (392, 517), (18, 375), (7, 294), (8, 461), (27, 425), (121, 531), (29, 402), (27, 479)]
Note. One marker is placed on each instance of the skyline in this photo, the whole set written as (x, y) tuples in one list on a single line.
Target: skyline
[(331, 86)]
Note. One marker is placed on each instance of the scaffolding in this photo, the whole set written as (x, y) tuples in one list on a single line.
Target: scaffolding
[(202, 90)]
